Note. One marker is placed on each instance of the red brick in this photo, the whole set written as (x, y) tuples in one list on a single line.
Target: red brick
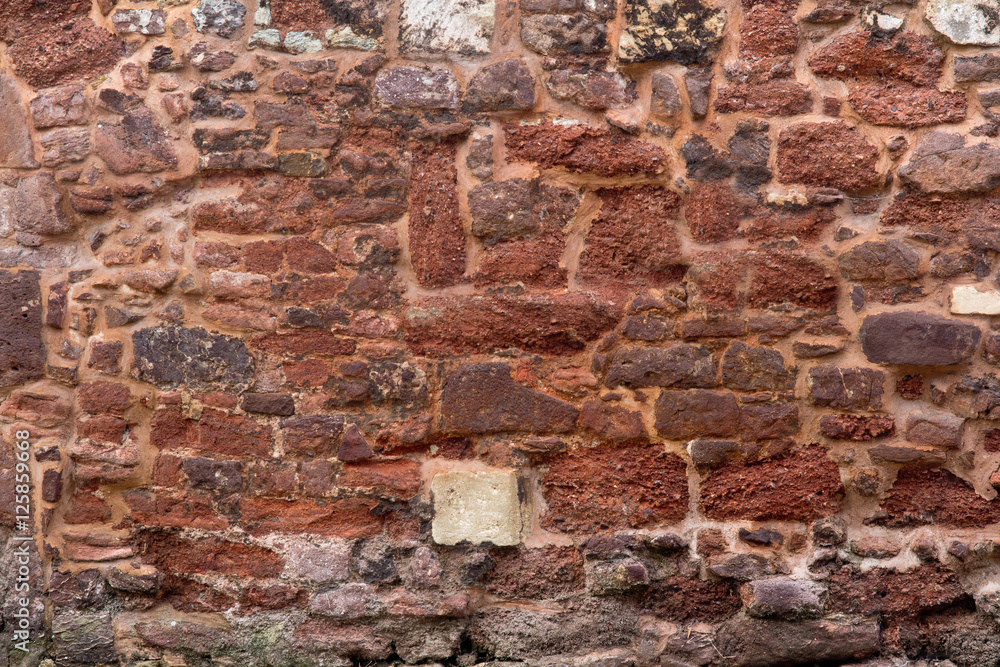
[(582, 148), (800, 486), (350, 518), (614, 488), (207, 555), (104, 397), (87, 508), (556, 324), (302, 343), (215, 432), (894, 594), (398, 478), (935, 496), (633, 241), (905, 105), (713, 213), (102, 428), (436, 235), (173, 510), (904, 57)]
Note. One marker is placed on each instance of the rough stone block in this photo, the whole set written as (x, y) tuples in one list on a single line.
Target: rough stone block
[(477, 507)]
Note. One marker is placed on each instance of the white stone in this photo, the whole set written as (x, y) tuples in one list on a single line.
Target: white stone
[(455, 26), (967, 300), (476, 506), (966, 21), (305, 41), (345, 38), (265, 39)]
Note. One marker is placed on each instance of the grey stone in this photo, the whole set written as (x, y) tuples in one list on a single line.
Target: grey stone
[(592, 89), (755, 369), (943, 164), (142, 21), (940, 429), (407, 86), (83, 637), (665, 99), (680, 30), (751, 642), (965, 21), (318, 565), (16, 150), (918, 339), (880, 261), (680, 365), (517, 633), (977, 68), (37, 206), (173, 356), (447, 26), (54, 107), (851, 388), (698, 83), (219, 17), (502, 210), (347, 602), (62, 146), (783, 597), (557, 34)]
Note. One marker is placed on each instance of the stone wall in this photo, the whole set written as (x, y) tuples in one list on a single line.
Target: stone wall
[(552, 332)]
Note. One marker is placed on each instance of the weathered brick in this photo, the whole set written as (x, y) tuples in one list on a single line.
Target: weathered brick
[(622, 487), (799, 486)]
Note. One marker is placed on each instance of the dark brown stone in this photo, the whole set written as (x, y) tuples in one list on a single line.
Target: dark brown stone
[(483, 398), (171, 356), (847, 388), (696, 413), (919, 339), (505, 86), (757, 642), (858, 429), (354, 446), (22, 354), (680, 365), (282, 405), (613, 423), (755, 369), (767, 422)]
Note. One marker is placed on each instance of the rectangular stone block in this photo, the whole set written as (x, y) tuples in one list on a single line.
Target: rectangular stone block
[(22, 356), (476, 507)]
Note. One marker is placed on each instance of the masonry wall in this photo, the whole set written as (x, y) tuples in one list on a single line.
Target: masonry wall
[(557, 332)]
